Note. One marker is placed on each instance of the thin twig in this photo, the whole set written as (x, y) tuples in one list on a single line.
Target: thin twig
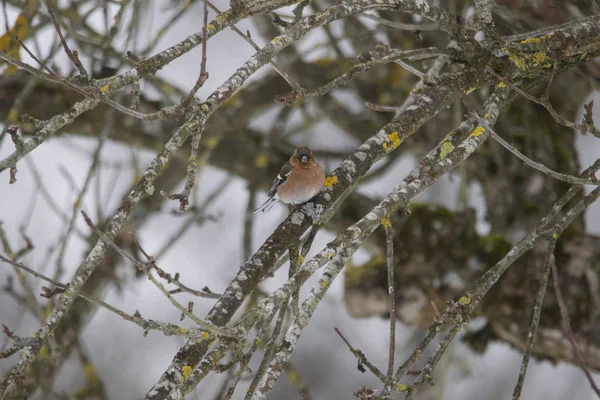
[(401, 25), (389, 236), (248, 39), (145, 268), (537, 166), (73, 56), (106, 130), (411, 69), (203, 77), (260, 336), (192, 170), (543, 101), (31, 271), (535, 320), (426, 371), (167, 328), (43, 65), (358, 69), (362, 359), (151, 261), (567, 328), (269, 352), (460, 310)]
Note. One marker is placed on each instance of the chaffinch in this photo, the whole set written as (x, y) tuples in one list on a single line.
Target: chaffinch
[(299, 180)]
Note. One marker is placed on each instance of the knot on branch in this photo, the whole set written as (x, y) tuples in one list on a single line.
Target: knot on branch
[(365, 393), (289, 98), (277, 21), (17, 140), (37, 123), (51, 292), (182, 197), (237, 6)]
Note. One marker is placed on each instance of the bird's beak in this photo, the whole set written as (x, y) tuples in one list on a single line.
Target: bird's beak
[(304, 159)]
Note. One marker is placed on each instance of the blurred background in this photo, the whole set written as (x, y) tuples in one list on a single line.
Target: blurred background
[(459, 227)]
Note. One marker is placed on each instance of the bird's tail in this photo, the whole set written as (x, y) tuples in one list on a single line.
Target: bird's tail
[(267, 205)]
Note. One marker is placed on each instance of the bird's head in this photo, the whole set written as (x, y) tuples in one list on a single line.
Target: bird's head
[(304, 156)]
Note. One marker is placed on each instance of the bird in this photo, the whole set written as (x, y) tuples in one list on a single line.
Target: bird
[(299, 180)]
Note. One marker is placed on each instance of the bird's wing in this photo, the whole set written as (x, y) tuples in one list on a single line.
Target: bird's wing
[(283, 175), (267, 205)]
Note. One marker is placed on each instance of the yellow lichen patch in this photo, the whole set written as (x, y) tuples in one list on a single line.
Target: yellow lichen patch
[(330, 255), (447, 148), (396, 77), (277, 39), (220, 18), (44, 352), (469, 91), (168, 89), (394, 141), (181, 330), (487, 116), (527, 60), (539, 57), (447, 136), (323, 283), (137, 177), (47, 310), (186, 370), (104, 89), (212, 143), (13, 115), (530, 40), (210, 26), (519, 61), (294, 378), (300, 259), (324, 62), (464, 300), (401, 387), (386, 222), (204, 335), (330, 181), (90, 373), (261, 160), (535, 39), (554, 236), (501, 85), (233, 101), (477, 131), (353, 274)]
